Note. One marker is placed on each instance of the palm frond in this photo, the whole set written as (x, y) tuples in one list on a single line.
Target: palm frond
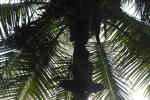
[(141, 8), (40, 63), (132, 53), (107, 73)]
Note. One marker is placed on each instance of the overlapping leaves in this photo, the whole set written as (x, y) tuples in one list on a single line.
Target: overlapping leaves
[(37, 55)]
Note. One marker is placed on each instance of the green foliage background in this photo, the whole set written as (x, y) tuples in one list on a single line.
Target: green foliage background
[(36, 51)]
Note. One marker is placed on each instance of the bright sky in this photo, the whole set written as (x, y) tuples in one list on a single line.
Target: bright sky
[(6, 1), (135, 96)]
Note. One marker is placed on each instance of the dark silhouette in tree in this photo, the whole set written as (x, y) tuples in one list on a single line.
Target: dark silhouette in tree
[(82, 85)]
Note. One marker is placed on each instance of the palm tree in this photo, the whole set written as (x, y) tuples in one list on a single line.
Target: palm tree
[(36, 49)]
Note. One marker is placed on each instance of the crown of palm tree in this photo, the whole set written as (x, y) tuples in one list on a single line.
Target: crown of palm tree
[(36, 49)]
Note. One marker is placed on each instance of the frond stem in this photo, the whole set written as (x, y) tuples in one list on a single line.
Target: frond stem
[(105, 67)]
